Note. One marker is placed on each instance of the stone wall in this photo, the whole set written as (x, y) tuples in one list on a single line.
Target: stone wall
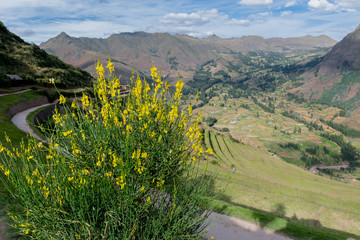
[(24, 105), (43, 115)]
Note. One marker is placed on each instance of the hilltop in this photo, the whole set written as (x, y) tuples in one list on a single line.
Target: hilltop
[(34, 64)]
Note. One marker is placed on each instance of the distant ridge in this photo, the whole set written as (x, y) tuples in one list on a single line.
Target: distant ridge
[(175, 54)]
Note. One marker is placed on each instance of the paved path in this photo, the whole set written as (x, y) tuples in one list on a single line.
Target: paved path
[(313, 169), (224, 227), (19, 120), (22, 91)]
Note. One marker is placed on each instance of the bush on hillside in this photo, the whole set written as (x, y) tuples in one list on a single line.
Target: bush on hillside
[(115, 168)]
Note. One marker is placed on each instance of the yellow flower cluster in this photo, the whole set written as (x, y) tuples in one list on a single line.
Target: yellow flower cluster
[(111, 139)]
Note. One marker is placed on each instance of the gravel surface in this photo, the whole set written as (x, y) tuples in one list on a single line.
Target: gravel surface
[(224, 227)]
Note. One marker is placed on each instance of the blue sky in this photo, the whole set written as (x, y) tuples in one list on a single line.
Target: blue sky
[(38, 20)]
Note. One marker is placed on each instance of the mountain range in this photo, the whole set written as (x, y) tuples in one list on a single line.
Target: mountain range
[(174, 54)]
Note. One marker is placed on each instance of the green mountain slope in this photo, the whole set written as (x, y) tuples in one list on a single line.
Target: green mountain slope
[(34, 64)]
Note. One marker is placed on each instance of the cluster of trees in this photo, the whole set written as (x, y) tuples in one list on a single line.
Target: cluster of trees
[(266, 108), (210, 121), (348, 152), (292, 145), (343, 129), (297, 130), (310, 125), (295, 98)]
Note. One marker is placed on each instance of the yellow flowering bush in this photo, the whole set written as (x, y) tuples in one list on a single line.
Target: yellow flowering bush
[(116, 167)]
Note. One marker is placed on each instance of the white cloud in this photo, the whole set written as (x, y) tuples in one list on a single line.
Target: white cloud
[(193, 19), (285, 13), (321, 5), (348, 3), (243, 22), (290, 4), (260, 15), (255, 2)]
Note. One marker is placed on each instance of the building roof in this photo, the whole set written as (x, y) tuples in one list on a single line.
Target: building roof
[(14, 77)]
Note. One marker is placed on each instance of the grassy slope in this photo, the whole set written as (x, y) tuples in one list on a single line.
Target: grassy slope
[(267, 183)]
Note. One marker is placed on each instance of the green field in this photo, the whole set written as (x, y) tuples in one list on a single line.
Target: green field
[(267, 183)]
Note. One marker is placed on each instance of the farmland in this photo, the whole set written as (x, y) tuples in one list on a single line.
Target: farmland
[(267, 183)]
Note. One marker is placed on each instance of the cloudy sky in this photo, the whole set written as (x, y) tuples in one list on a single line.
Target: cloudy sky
[(38, 20)]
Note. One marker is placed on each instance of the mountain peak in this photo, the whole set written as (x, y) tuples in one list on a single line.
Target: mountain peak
[(63, 35), (212, 38)]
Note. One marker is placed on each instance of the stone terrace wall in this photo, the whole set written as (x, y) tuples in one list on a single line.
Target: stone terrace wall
[(24, 105), (43, 115)]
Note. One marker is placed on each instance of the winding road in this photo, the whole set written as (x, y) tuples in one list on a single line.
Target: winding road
[(19, 120)]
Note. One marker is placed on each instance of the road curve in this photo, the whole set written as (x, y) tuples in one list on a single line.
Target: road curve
[(19, 120)]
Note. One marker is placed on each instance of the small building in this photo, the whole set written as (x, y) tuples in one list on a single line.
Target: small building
[(14, 77)]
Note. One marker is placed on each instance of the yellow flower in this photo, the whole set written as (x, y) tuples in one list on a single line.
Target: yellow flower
[(154, 73), (70, 179), (210, 151), (62, 99), (142, 189), (67, 133), (85, 101), (189, 110), (110, 66), (73, 104), (7, 172), (52, 81)]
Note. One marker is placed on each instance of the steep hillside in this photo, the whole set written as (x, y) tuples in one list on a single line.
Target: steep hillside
[(175, 54), (344, 56), (32, 63), (336, 79)]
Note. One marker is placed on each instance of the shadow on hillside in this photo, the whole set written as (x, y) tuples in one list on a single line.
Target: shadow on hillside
[(296, 227)]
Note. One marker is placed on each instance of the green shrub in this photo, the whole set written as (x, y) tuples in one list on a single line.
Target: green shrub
[(115, 168)]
